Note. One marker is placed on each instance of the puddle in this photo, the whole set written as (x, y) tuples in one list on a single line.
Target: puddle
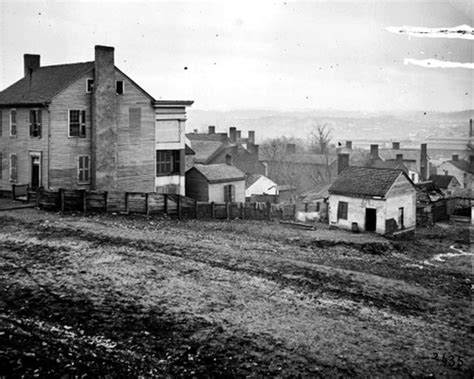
[(458, 253)]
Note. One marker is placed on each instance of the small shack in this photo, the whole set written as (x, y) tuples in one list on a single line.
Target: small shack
[(374, 200)]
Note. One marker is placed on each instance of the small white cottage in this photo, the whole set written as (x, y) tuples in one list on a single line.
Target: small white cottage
[(374, 200)]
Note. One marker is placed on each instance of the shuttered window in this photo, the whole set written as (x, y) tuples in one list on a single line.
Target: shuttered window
[(77, 123), (167, 162), (229, 193), (342, 209), (135, 118), (35, 123), (13, 168), (13, 122), (83, 169)]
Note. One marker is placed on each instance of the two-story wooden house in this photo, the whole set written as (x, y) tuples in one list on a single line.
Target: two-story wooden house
[(88, 125)]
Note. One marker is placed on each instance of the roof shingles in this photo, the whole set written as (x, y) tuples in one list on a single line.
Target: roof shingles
[(220, 172)]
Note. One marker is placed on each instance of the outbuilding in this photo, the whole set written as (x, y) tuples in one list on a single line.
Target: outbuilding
[(374, 200)]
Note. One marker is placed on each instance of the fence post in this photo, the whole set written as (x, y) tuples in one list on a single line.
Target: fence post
[(61, 199), (269, 211), (146, 204), (165, 210), (126, 202), (227, 210), (242, 211), (106, 199), (13, 191), (37, 197), (196, 211), (306, 207), (84, 201), (179, 207), (213, 211)]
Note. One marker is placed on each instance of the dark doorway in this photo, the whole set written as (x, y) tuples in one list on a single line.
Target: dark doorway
[(401, 218), (370, 219), (35, 171)]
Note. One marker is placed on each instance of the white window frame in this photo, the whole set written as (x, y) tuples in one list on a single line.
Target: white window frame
[(13, 180), (123, 87), (69, 123), (84, 169), (87, 84), (11, 123)]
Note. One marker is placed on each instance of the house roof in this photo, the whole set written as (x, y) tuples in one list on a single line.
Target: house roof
[(392, 165), (408, 154), (463, 165), (44, 83), (205, 149), (251, 179), (302, 158), (220, 172), (365, 181), (442, 181)]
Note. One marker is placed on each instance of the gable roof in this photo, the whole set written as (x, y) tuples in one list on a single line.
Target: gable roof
[(219, 172), (365, 181), (408, 154), (43, 84), (205, 150), (392, 165), (301, 158), (251, 179), (463, 165), (442, 181)]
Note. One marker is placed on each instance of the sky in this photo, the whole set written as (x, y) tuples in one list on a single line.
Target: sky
[(280, 55)]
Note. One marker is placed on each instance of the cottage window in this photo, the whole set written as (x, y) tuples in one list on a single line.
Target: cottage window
[(13, 168), (167, 162), (83, 169), (77, 123), (13, 122), (35, 123), (342, 208), (89, 85), (229, 193), (119, 87)]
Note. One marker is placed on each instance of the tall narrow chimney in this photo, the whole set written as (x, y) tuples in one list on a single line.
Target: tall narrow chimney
[(232, 134), (424, 162), (396, 145), (239, 135), (374, 152), (212, 129), (342, 162), (30, 63), (228, 160), (349, 145), (251, 138), (104, 122)]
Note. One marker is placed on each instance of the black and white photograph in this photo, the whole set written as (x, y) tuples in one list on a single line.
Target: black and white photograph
[(236, 189)]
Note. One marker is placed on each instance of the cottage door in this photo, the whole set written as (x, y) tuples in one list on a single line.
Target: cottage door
[(370, 219), (35, 170), (401, 218)]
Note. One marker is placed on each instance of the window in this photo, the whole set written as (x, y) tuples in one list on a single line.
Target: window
[(13, 168), (167, 162), (229, 193), (134, 118), (83, 169), (342, 208), (35, 123), (89, 85), (13, 122), (77, 123), (119, 87)]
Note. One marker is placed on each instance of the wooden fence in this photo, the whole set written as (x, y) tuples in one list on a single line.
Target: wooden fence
[(177, 206)]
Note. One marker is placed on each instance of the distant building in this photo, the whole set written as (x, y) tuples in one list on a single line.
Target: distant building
[(372, 199), (219, 183), (461, 169), (444, 147), (256, 184), (447, 183)]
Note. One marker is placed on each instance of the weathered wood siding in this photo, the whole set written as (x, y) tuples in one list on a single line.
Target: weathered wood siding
[(197, 186), (22, 145)]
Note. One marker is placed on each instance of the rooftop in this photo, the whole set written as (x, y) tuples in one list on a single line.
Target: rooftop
[(220, 172)]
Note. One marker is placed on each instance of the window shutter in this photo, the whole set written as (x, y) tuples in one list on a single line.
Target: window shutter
[(32, 120), (83, 124), (39, 123), (226, 194), (232, 193)]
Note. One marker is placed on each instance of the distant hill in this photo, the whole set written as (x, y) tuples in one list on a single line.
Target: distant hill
[(346, 125)]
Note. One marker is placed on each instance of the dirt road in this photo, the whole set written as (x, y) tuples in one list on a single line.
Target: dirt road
[(118, 296)]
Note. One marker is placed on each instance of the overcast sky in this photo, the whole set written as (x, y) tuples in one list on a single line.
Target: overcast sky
[(281, 55)]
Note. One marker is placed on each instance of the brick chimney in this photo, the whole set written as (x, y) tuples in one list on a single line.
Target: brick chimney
[(342, 162), (31, 62), (349, 145), (251, 138), (290, 148), (399, 157), (374, 152), (232, 134), (424, 162), (455, 157), (212, 129), (396, 145), (104, 122), (228, 159), (239, 135)]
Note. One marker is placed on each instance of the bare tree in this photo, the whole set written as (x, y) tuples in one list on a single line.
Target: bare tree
[(320, 138)]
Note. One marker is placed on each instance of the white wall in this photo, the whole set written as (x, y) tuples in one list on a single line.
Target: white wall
[(216, 191), (171, 180), (449, 169), (262, 186), (408, 202)]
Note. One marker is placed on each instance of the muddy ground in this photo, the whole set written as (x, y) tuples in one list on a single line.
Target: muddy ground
[(120, 296)]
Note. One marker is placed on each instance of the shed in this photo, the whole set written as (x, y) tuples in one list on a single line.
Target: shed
[(373, 199)]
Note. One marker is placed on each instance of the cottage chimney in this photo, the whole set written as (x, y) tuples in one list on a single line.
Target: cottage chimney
[(228, 159), (374, 152), (104, 121), (31, 62), (399, 157), (349, 145), (212, 129), (232, 134), (290, 148), (424, 162), (471, 161), (342, 162), (470, 128), (396, 145), (455, 157), (239, 135), (251, 138)]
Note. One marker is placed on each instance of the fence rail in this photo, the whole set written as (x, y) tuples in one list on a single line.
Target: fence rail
[(178, 206)]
